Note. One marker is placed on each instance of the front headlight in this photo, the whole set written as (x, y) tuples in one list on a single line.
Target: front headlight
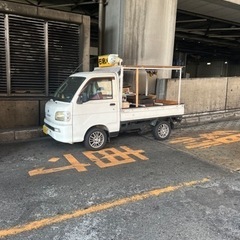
[(63, 116)]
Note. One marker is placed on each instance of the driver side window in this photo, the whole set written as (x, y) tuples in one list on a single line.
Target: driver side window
[(98, 89)]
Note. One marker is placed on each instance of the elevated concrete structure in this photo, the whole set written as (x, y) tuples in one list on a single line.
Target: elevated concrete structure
[(141, 32)]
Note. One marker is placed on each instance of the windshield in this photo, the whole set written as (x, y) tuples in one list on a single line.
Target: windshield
[(68, 89)]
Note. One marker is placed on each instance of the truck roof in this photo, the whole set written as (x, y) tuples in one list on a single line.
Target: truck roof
[(98, 70), (117, 69), (133, 67), (114, 69)]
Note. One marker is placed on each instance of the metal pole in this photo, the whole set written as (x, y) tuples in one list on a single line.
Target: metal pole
[(46, 59), (179, 86), (100, 26), (137, 87), (7, 52)]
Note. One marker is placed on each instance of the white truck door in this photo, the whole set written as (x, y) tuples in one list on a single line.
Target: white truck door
[(99, 105)]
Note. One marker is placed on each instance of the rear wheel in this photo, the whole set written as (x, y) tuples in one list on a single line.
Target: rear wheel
[(95, 139), (162, 130)]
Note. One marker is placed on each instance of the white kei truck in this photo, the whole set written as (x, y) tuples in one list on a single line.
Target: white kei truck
[(92, 107)]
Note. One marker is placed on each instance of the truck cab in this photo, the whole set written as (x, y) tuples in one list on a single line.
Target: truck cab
[(91, 99)]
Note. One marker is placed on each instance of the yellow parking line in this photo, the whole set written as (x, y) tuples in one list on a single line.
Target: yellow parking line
[(96, 208)]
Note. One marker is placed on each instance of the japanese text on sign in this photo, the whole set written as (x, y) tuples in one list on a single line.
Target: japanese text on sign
[(103, 61)]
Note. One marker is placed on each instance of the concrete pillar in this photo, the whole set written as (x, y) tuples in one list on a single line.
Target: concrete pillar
[(142, 32)]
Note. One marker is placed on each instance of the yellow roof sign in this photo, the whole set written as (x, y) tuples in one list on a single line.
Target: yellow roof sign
[(109, 60)]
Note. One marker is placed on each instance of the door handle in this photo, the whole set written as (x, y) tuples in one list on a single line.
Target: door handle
[(112, 104)]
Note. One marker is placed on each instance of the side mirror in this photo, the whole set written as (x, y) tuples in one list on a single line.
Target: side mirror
[(82, 98)]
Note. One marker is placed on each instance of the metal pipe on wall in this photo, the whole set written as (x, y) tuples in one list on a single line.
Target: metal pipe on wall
[(100, 26)]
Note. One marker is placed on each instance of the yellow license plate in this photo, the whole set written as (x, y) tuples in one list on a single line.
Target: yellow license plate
[(45, 129)]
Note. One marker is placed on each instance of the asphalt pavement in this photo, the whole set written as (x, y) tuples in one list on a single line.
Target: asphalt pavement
[(187, 187), (217, 143)]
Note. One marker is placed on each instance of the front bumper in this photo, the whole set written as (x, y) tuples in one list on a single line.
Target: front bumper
[(61, 133)]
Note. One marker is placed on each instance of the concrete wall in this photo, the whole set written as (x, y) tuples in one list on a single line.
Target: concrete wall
[(202, 95), (233, 93), (21, 113)]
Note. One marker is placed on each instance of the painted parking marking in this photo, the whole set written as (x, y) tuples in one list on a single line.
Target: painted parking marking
[(208, 140), (112, 157), (53, 159), (74, 164), (108, 157), (80, 167), (38, 224)]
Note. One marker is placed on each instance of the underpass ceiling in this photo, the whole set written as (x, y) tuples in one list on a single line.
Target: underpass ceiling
[(219, 9), (208, 28), (207, 37), (204, 28)]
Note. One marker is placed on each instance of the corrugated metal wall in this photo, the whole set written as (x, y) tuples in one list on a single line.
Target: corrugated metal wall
[(63, 50), (41, 55), (27, 55)]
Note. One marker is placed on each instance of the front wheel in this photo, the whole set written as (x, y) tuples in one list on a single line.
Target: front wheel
[(95, 139), (162, 130)]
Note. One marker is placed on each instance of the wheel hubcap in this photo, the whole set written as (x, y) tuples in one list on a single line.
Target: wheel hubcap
[(163, 130), (96, 139)]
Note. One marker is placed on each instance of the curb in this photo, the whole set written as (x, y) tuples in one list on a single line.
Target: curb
[(12, 135), (203, 118)]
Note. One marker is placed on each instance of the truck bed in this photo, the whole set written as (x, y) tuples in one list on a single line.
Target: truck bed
[(139, 113)]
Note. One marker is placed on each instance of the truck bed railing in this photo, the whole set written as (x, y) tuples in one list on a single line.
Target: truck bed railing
[(150, 68)]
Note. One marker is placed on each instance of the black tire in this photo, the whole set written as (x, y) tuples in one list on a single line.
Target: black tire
[(95, 139), (162, 130)]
